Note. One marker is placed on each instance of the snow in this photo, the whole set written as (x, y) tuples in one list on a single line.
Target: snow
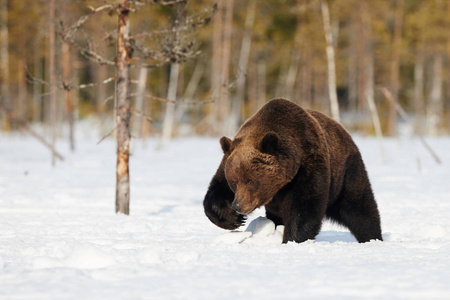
[(60, 237)]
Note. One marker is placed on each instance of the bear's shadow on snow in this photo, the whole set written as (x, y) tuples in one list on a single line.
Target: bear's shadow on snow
[(332, 236)]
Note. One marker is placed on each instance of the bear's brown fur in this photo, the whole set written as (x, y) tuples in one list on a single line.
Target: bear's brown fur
[(302, 166)]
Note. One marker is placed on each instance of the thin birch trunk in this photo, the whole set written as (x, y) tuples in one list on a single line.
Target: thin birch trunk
[(370, 80), (306, 78), (170, 107), (352, 80), (224, 110), (418, 92), (123, 111), (252, 89), (395, 66), (22, 89), (216, 68), (190, 90), (4, 54), (53, 107), (261, 83), (243, 65), (4, 61), (67, 74), (139, 104), (37, 87), (435, 105), (331, 61), (291, 76)]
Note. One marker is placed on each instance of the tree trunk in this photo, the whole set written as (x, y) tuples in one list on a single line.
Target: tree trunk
[(67, 75), (435, 105), (331, 62), (291, 77), (224, 110), (170, 107), (361, 68), (22, 88), (261, 83), (216, 68), (369, 74), (139, 104), (4, 61), (306, 78), (123, 111), (252, 88), (53, 107), (190, 90), (37, 87), (243, 65), (395, 67), (352, 80), (418, 93)]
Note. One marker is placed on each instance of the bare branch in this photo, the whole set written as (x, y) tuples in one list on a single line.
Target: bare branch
[(182, 101), (68, 35), (23, 124), (387, 93), (157, 2), (89, 54), (83, 86), (142, 115), (107, 135)]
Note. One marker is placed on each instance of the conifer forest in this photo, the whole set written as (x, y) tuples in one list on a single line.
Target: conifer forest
[(203, 67)]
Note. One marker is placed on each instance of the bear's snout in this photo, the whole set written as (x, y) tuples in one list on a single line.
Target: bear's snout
[(236, 206), (242, 207)]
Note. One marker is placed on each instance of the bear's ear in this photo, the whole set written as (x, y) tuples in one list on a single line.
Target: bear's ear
[(270, 143), (226, 144)]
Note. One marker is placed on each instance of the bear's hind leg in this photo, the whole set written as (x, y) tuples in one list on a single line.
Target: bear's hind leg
[(356, 208)]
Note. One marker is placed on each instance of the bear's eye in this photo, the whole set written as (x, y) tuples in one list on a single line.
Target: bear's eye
[(249, 183), (233, 185)]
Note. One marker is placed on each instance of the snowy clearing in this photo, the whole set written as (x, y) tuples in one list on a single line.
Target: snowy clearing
[(60, 237)]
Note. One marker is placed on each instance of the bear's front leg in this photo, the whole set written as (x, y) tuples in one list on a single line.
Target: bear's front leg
[(217, 203), (308, 201)]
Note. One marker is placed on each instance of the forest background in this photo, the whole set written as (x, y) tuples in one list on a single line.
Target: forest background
[(214, 63)]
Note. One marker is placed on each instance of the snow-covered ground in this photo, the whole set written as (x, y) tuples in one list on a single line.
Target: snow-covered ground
[(60, 237)]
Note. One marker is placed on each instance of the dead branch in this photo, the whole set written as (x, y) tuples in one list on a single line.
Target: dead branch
[(89, 54), (142, 115), (182, 101), (67, 36), (387, 93), (24, 125), (157, 2), (107, 135), (192, 22)]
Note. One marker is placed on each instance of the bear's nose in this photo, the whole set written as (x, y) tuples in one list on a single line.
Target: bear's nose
[(235, 206)]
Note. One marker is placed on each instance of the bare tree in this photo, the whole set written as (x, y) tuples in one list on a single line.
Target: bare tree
[(331, 61), (418, 91), (170, 51), (123, 110), (66, 73), (243, 65), (51, 70), (435, 105), (395, 66), (226, 51), (369, 70), (4, 57), (175, 41)]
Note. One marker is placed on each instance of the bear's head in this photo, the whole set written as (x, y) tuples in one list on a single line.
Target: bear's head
[(255, 172)]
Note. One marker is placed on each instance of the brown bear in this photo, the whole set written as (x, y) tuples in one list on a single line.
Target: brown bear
[(302, 166)]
